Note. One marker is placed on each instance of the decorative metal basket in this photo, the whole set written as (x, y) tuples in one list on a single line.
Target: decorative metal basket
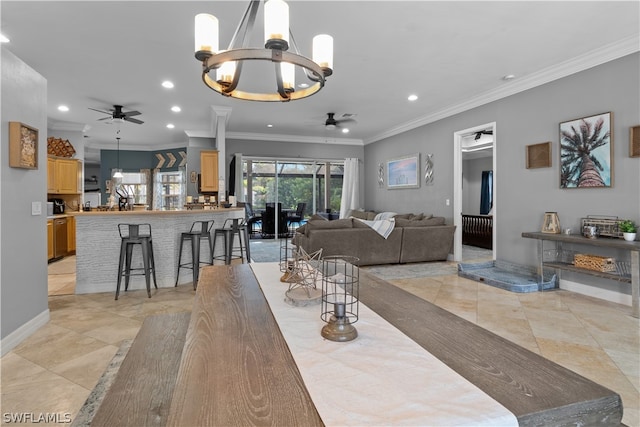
[(607, 225)]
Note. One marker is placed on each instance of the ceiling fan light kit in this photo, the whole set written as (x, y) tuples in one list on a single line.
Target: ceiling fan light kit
[(221, 69)]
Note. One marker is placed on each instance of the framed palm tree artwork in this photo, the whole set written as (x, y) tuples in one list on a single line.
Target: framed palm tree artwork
[(586, 152)]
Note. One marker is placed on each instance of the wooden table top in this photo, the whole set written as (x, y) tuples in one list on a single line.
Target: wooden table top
[(236, 368)]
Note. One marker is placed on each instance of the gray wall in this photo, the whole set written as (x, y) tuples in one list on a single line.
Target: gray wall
[(23, 252), (523, 195)]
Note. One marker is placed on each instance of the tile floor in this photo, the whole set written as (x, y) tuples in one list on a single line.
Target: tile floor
[(54, 370)]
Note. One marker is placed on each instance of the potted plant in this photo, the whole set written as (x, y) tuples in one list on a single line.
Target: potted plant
[(628, 229)]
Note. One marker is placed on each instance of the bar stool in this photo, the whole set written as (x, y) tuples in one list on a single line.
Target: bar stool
[(199, 230), (231, 228), (130, 235)]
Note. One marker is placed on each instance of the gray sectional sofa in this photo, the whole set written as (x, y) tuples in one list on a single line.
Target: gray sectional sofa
[(415, 238)]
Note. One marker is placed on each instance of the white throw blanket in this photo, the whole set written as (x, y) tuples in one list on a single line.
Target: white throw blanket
[(383, 227)]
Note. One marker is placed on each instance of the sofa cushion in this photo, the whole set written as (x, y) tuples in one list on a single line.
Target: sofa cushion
[(324, 225), (318, 217), (426, 222)]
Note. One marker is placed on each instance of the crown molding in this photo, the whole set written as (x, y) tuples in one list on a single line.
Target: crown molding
[(293, 138), (574, 65)]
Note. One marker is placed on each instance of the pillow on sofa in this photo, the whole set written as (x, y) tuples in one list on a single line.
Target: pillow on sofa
[(404, 216), (385, 215), (421, 216), (326, 225), (357, 214), (438, 220), (318, 217)]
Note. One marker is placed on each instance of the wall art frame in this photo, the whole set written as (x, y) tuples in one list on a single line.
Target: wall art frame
[(538, 155), (23, 146), (403, 172), (634, 141), (586, 152)]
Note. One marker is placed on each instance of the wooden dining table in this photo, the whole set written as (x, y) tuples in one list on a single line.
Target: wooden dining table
[(237, 369)]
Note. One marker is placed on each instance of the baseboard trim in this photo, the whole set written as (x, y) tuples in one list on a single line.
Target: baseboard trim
[(23, 332), (594, 291)]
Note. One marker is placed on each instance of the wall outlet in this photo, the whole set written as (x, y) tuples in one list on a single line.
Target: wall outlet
[(36, 208)]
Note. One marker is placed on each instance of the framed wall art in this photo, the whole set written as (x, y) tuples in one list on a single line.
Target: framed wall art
[(23, 146), (586, 152), (403, 172), (634, 141), (538, 155)]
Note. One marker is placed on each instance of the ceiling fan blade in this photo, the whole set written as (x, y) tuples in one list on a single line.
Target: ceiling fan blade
[(348, 120), (129, 119), (100, 111), (131, 113), (106, 118)]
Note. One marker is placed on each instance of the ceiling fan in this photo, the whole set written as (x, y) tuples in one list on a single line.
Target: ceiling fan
[(331, 122), (483, 132), (117, 115)]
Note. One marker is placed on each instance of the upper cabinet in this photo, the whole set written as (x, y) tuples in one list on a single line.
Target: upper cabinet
[(208, 171), (64, 176)]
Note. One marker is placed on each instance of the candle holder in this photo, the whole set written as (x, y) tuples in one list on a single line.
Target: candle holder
[(340, 297), (287, 260)]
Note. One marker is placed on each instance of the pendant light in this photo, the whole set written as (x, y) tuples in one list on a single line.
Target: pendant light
[(118, 172)]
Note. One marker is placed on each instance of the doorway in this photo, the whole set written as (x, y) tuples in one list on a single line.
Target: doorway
[(465, 142)]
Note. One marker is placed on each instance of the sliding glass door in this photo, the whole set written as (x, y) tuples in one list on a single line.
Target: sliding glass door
[(290, 182)]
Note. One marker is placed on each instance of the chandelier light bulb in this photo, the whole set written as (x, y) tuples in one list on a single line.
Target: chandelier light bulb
[(323, 52), (288, 75), (226, 72), (276, 25), (206, 34)]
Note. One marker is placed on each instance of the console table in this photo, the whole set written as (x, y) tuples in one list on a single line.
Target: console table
[(632, 247)]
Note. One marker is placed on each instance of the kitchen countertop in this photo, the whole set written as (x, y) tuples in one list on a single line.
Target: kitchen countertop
[(146, 212)]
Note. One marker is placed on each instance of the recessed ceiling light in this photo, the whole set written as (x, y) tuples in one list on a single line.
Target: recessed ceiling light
[(509, 77), (170, 126), (345, 130), (63, 108), (269, 125), (3, 39), (167, 84), (176, 109), (412, 97)]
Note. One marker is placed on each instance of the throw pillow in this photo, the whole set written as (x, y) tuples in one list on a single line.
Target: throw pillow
[(357, 214), (439, 220), (318, 217), (404, 216), (385, 215)]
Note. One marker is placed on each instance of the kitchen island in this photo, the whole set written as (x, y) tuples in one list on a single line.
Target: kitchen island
[(98, 245)]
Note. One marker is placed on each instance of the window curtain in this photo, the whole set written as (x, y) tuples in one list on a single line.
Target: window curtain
[(486, 192), (350, 186)]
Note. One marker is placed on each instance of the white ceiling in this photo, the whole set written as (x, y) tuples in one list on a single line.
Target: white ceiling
[(453, 55)]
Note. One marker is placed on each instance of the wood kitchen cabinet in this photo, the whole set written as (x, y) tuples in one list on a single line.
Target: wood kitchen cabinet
[(64, 176), (49, 239), (209, 171), (71, 234)]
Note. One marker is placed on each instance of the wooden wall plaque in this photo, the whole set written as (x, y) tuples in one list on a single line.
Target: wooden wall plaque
[(539, 155)]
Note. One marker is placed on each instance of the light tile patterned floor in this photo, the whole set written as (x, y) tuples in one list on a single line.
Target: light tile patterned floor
[(54, 370)]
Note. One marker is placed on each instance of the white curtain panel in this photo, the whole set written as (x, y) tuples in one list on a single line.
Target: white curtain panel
[(350, 186)]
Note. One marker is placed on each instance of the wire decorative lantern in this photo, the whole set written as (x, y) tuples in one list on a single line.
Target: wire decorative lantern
[(287, 259), (302, 277), (340, 297)]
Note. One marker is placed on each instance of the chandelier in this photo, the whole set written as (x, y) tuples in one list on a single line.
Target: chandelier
[(221, 69)]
